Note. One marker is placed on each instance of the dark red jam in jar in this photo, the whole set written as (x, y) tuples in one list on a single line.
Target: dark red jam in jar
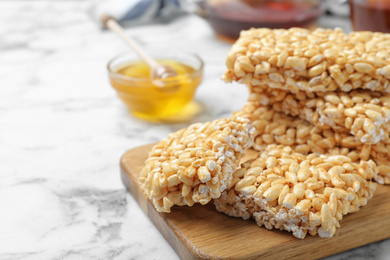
[(370, 15), (228, 18)]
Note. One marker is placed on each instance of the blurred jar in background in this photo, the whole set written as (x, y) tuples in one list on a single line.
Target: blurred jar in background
[(229, 17), (338, 8), (370, 15)]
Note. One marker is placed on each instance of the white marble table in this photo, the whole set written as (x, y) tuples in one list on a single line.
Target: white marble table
[(63, 130)]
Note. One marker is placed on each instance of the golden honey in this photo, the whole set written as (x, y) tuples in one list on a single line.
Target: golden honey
[(155, 99)]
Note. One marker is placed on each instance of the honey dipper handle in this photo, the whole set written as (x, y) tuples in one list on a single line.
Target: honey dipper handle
[(110, 23)]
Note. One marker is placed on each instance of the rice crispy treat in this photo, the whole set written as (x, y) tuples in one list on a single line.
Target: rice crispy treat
[(285, 190), (196, 164), (322, 60), (278, 128), (274, 127), (380, 153), (362, 113)]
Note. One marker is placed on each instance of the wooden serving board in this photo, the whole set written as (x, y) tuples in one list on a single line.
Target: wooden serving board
[(200, 232)]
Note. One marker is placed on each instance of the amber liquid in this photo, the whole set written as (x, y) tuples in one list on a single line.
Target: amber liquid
[(148, 101), (228, 18), (370, 15)]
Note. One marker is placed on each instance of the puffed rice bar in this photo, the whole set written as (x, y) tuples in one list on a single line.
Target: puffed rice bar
[(277, 128), (196, 164), (362, 113), (320, 60), (289, 191)]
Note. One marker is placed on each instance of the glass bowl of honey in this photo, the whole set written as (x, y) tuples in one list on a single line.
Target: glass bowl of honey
[(229, 17), (150, 99)]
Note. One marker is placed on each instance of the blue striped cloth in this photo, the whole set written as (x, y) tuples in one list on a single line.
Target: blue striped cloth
[(137, 11)]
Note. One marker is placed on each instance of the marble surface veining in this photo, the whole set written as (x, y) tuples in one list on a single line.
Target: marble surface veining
[(63, 130)]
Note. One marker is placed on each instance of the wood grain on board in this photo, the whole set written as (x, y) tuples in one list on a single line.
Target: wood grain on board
[(200, 232)]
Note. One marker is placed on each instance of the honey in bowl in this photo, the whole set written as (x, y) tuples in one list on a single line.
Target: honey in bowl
[(155, 99)]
